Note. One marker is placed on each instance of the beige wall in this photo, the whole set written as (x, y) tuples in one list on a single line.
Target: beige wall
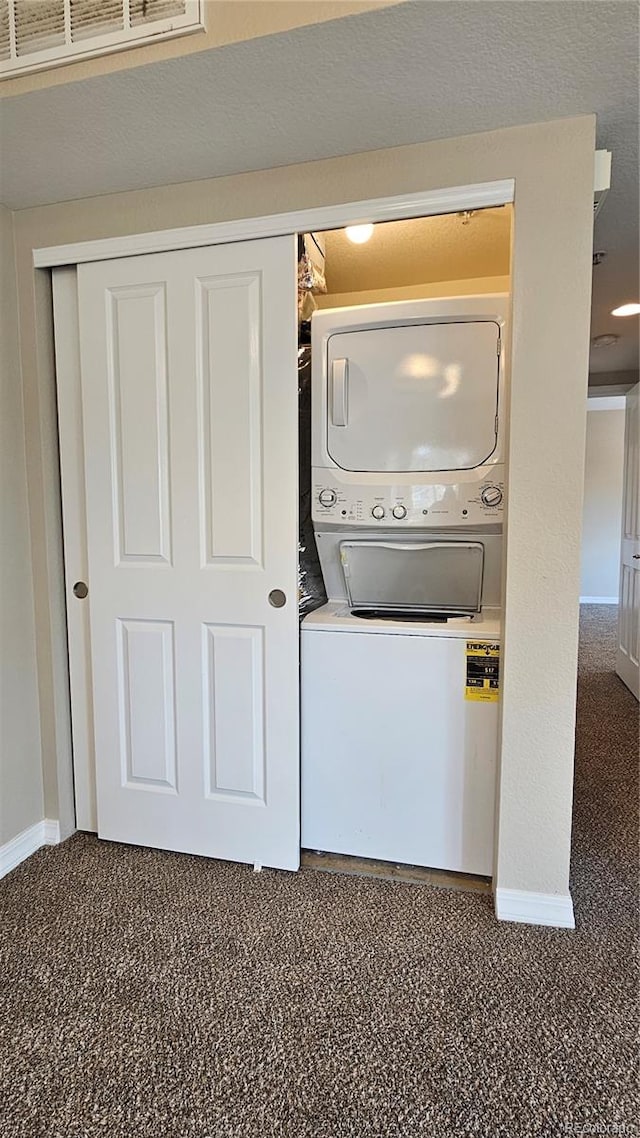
[(552, 164), (227, 22), (21, 799), (602, 513), (418, 250), (472, 286)]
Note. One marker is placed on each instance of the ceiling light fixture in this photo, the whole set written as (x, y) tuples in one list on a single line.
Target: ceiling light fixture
[(359, 233), (605, 341), (631, 309)]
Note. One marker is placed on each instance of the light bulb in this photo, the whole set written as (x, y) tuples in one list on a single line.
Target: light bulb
[(359, 233), (627, 310)]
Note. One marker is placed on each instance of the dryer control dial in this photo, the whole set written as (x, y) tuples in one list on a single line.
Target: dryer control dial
[(491, 496), (399, 512), (327, 497), (377, 512)]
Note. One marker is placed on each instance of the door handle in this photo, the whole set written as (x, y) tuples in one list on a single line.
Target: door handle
[(339, 392), (80, 590), (277, 599), (636, 556)]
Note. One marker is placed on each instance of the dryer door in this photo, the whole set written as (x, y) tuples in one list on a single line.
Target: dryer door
[(420, 397)]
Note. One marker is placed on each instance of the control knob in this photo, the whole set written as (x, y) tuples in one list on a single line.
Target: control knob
[(399, 512), (377, 512), (327, 497), (491, 496)]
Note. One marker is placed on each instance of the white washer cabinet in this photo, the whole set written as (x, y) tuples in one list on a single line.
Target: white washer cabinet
[(397, 763)]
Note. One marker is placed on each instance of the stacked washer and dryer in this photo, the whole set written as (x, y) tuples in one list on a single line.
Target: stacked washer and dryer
[(400, 668)]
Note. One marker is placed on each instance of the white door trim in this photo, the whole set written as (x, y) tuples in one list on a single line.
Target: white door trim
[(396, 208)]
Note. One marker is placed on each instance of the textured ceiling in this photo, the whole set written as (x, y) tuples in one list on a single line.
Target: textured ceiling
[(419, 251), (408, 73)]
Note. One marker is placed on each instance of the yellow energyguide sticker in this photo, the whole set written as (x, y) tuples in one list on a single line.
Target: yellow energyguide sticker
[(483, 671)]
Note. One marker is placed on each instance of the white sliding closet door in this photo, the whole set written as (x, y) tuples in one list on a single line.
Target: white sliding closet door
[(189, 396)]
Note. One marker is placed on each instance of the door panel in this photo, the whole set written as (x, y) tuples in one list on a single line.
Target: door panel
[(627, 662), (231, 402), (138, 413), (188, 371), (234, 699), (146, 691), (72, 475)]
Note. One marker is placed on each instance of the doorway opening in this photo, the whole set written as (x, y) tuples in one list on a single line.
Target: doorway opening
[(401, 499), (354, 289)]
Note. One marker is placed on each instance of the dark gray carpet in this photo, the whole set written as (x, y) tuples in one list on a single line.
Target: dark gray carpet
[(152, 995)]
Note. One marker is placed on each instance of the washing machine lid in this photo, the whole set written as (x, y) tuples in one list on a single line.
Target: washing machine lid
[(421, 396), (431, 577)]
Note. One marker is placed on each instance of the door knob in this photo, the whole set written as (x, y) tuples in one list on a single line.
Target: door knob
[(636, 556), (80, 590), (277, 598)]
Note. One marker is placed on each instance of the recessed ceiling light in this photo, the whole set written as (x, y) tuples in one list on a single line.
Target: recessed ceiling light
[(605, 341), (627, 310), (359, 233)]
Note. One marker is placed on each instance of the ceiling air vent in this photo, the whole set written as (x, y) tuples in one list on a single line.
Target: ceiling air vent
[(38, 34)]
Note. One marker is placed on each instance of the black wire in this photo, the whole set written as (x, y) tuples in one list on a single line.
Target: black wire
[(311, 235)]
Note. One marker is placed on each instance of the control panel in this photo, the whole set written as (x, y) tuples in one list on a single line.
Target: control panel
[(456, 504)]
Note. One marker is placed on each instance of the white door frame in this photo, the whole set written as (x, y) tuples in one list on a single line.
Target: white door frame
[(628, 616), (395, 208)]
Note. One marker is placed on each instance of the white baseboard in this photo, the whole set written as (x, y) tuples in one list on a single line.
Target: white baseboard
[(44, 833), (599, 600), (535, 908)]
